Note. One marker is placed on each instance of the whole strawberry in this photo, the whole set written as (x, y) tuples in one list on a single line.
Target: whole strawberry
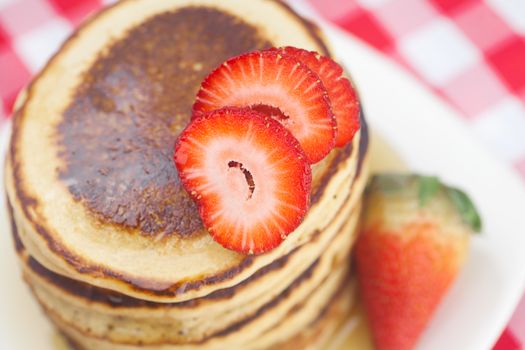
[(414, 240)]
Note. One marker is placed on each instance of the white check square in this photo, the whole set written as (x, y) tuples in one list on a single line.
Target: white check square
[(438, 51), (513, 11), (37, 46), (503, 128), (4, 3), (372, 4)]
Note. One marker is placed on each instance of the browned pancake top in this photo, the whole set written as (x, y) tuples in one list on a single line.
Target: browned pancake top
[(117, 135)]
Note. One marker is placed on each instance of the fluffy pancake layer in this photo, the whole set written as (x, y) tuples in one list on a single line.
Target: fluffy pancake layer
[(71, 233), (110, 243), (259, 323)]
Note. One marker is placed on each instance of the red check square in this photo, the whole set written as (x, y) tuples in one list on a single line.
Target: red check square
[(508, 60), (365, 26), (75, 11), (11, 83), (449, 6), (4, 37), (507, 341)]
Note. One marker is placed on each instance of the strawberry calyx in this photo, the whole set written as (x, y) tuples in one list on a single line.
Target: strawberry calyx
[(428, 187)]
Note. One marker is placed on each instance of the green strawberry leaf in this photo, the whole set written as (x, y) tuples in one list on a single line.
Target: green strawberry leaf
[(428, 187), (465, 207)]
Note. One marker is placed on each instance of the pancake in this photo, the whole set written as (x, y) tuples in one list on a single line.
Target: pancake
[(262, 281), (68, 304), (101, 202), (318, 335), (109, 242), (315, 335)]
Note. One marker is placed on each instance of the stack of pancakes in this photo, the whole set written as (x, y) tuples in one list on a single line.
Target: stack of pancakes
[(111, 245)]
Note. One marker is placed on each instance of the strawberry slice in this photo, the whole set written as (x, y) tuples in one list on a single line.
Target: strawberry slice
[(343, 97), (279, 86), (248, 175)]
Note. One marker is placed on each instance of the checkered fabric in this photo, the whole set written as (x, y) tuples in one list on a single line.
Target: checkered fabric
[(469, 52)]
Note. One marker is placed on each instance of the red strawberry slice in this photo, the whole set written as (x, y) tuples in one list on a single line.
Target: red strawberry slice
[(248, 175), (343, 97), (280, 86)]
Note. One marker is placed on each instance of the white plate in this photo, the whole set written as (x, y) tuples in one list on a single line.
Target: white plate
[(431, 139)]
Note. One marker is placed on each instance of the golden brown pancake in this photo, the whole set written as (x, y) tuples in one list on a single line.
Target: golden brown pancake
[(110, 243), (101, 200), (119, 319), (140, 328)]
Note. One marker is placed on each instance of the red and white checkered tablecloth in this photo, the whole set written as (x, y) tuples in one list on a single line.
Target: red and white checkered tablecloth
[(470, 52)]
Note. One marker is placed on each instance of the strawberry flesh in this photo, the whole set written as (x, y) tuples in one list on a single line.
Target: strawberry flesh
[(343, 97), (280, 86), (413, 242), (248, 175), (402, 281)]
